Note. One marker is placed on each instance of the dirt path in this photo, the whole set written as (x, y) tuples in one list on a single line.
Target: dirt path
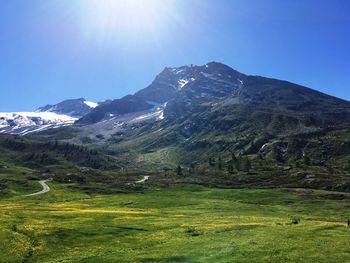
[(145, 178), (45, 189)]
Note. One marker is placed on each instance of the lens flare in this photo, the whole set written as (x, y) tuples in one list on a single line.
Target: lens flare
[(131, 16)]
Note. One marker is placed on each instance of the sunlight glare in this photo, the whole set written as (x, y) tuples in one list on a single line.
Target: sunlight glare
[(123, 15)]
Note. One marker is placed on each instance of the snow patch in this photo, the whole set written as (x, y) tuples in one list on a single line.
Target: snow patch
[(161, 115), (182, 83), (91, 104)]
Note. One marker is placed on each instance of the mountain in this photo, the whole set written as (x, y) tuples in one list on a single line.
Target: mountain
[(216, 83), (75, 108), (197, 111), (214, 80), (261, 131), (50, 116), (215, 100)]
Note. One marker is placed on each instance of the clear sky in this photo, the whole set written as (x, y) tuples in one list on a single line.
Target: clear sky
[(51, 50)]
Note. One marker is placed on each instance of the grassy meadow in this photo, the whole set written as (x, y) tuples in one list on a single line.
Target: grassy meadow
[(183, 223)]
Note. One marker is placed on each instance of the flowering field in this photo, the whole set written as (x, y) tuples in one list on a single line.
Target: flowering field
[(176, 224)]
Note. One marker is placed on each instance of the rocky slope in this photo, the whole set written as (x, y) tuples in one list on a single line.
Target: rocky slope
[(215, 83), (260, 131), (192, 112), (217, 95)]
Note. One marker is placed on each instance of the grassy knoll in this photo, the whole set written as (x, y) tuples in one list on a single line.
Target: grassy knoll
[(177, 224), (16, 181)]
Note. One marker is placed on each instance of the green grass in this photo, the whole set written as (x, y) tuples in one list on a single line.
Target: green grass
[(176, 224), (14, 181)]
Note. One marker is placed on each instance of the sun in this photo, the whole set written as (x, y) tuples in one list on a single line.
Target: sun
[(133, 16)]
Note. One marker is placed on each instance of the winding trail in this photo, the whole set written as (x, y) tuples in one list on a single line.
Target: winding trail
[(145, 178), (45, 189)]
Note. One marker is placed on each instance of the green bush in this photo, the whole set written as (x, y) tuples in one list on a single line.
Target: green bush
[(193, 231)]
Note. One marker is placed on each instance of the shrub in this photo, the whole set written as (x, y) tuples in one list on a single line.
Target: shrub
[(193, 231), (295, 220)]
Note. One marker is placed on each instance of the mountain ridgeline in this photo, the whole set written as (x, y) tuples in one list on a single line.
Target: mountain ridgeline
[(74, 107), (212, 118), (217, 85)]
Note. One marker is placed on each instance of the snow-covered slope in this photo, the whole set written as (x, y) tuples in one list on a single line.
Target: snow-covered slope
[(114, 123), (47, 117), (23, 123)]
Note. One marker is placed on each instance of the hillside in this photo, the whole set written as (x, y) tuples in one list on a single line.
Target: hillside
[(213, 119)]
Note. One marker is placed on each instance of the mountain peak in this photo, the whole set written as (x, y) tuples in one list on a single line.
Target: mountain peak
[(211, 76), (76, 108), (215, 63)]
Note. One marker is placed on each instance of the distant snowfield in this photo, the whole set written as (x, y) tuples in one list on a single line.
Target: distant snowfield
[(47, 116), (28, 122)]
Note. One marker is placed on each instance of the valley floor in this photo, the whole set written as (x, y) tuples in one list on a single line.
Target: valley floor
[(176, 224)]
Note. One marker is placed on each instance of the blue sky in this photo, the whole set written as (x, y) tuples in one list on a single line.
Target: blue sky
[(59, 49)]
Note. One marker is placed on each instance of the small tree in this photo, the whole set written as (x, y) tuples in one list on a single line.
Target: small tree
[(230, 168), (192, 168), (246, 165), (306, 160), (166, 170), (212, 161), (243, 164), (178, 170), (330, 169), (276, 154), (220, 163), (233, 157), (234, 161)]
